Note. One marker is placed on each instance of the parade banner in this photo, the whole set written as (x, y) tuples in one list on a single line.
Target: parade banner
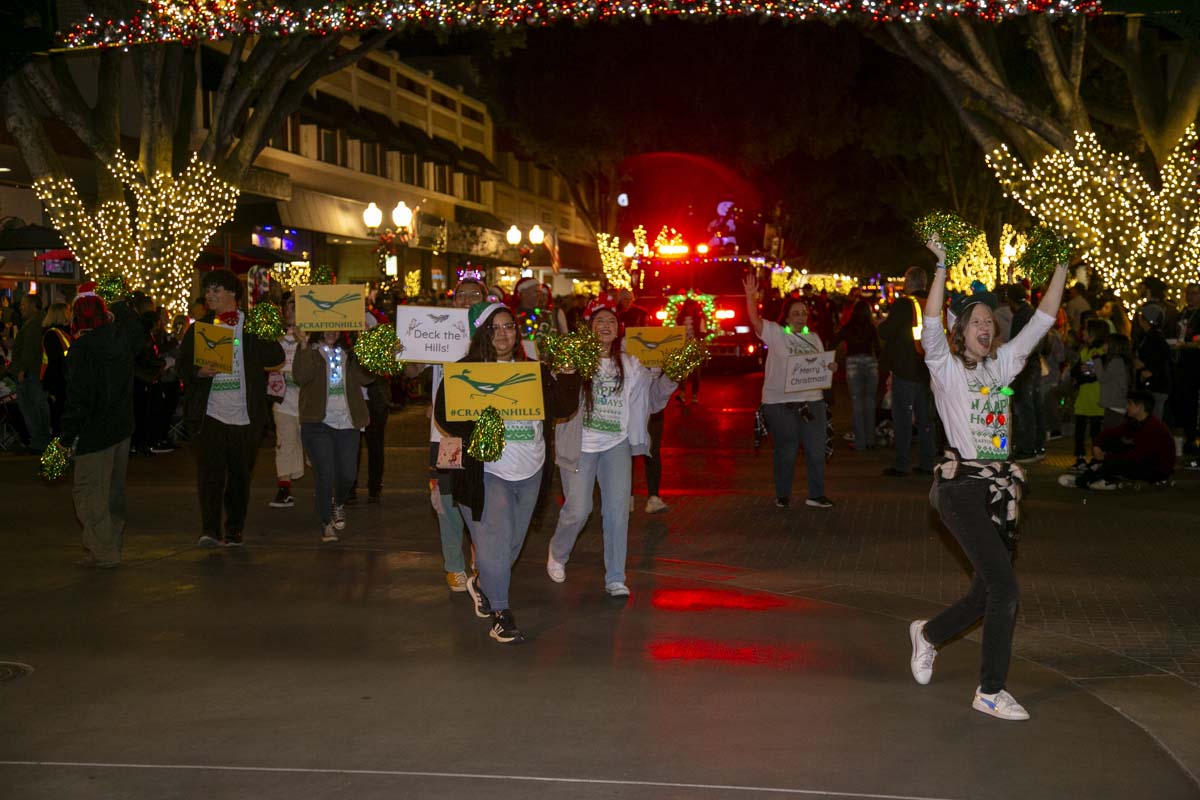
[(514, 388), (213, 347), (331, 308), (809, 372), (432, 335), (651, 345)]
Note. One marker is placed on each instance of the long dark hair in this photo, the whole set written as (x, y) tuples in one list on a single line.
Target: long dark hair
[(482, 349), (614, 352), (1119, 346)]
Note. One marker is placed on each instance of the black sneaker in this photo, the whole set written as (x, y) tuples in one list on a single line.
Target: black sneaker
[(233, 540), (504, 628), (352, 498), (283, 498), (375, 498), (819, 502), (781, 502), (161, 448), (892, 472), (483, 609)]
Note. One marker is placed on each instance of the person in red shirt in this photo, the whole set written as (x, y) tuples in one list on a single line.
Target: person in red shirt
[(1139, 449)]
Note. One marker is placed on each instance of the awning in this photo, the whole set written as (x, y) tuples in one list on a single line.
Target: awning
[(477, 162), (447, 152), (478, 219), (30, 237), (323, 213), (55, 255)]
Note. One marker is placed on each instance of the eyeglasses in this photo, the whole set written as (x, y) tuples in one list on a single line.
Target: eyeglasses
[(507, 327)]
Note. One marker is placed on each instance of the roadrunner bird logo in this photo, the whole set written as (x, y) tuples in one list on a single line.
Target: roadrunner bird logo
[(213, 345), (330, 305), (654, 345), (488, 389)]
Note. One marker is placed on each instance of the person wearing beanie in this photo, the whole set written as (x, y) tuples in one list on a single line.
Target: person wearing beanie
[(441, 490), (977, 485), (497, 498), (226, 412), (597, 445), (1153, 363), (97, 424)]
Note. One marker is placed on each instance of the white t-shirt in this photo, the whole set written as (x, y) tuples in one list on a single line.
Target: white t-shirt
[(606, 426), (227, 399), (337, 411), (524, 452), (974, 407), (781, 345)]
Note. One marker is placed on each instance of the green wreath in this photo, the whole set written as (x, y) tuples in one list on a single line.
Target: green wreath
[(706, 303)]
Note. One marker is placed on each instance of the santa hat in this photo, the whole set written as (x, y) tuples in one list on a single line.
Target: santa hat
[(603, 302), (86, 289), (88, 310), (525, 284)]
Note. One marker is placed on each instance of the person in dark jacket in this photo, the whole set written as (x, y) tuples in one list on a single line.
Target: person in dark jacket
[(862, 370), (1139, 449), (97, 423), (226, 412), (904, 356), (1152, 367), (27, 365), (497, 498), (1029, 422), (56, 342)]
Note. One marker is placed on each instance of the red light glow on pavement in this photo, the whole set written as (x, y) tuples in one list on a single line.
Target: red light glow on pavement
[(727, 652), (708, 599)]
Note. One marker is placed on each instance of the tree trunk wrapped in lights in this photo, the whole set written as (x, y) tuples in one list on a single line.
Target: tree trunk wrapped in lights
[(173, 217), (1119, 222)]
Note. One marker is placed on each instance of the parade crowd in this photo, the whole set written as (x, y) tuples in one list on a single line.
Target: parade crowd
[(1018, 368)]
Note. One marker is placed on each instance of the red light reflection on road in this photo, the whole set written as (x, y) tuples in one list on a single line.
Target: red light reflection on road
[(727, 652), (707, 599)]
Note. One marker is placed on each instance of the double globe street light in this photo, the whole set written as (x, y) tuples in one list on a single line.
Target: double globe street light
[(402, 218), (536, 237)]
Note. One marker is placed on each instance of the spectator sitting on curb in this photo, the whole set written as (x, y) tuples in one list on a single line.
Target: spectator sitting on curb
[(1139, 449)]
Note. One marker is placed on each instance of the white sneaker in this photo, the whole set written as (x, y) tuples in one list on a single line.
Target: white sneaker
[(328, 534), (617, 589), (1001, 705), (339, 517), (556, 571), (655, 505), (1103, 486), (923, 653), (1067, 480)]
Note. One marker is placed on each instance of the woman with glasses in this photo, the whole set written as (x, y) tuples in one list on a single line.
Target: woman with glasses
[(497, 498)]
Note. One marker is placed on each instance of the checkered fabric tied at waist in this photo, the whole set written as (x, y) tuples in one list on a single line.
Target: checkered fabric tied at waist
[(1005, 481)]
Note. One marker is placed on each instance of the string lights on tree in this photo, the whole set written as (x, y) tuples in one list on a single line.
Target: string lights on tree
[(612, 260), (1118, 221), (188, 21), (153, 245)]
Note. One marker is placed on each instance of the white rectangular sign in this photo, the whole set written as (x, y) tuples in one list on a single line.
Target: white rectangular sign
[(432, 334), (808, 372)]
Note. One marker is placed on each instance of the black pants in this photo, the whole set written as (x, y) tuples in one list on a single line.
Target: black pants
[(224, 461), (1083, 427), (373, 437), (653, 461), (993, 594), (1114, 468), (144, 407)]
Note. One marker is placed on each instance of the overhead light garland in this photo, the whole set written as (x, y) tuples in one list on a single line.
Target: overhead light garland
[(188, 21), (153, 245), (1121, 225)]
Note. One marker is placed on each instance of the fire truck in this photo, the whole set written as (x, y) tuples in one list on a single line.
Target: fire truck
[(661, 285)]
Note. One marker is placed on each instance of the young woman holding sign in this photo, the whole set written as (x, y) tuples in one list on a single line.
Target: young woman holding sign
[(497, 498), (599, 443), (977, 487), (793, 418)]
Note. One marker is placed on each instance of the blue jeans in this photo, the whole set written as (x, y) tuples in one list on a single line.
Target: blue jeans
[(500, 532), (862, 378), (910, 400), (35, 410), (790, 430), (334, 456), (614, 470), (450, 520)]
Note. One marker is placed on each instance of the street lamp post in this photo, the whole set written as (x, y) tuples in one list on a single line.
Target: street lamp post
[(394, 240), (514, 237)]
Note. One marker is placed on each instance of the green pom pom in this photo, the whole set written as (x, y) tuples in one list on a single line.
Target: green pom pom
[(265, 321), (954, 234), (687, 359), (111, 288), (378, 350), (320, 275), (55, 460), (1043, 253), (487, 442), (580, 351)]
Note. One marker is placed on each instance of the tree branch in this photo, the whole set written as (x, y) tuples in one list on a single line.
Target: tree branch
[(997, 97), (26, 129), (1078, 47), (981, 58), (249, 75), (149, 69), (1046, 47), (69, 108)]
